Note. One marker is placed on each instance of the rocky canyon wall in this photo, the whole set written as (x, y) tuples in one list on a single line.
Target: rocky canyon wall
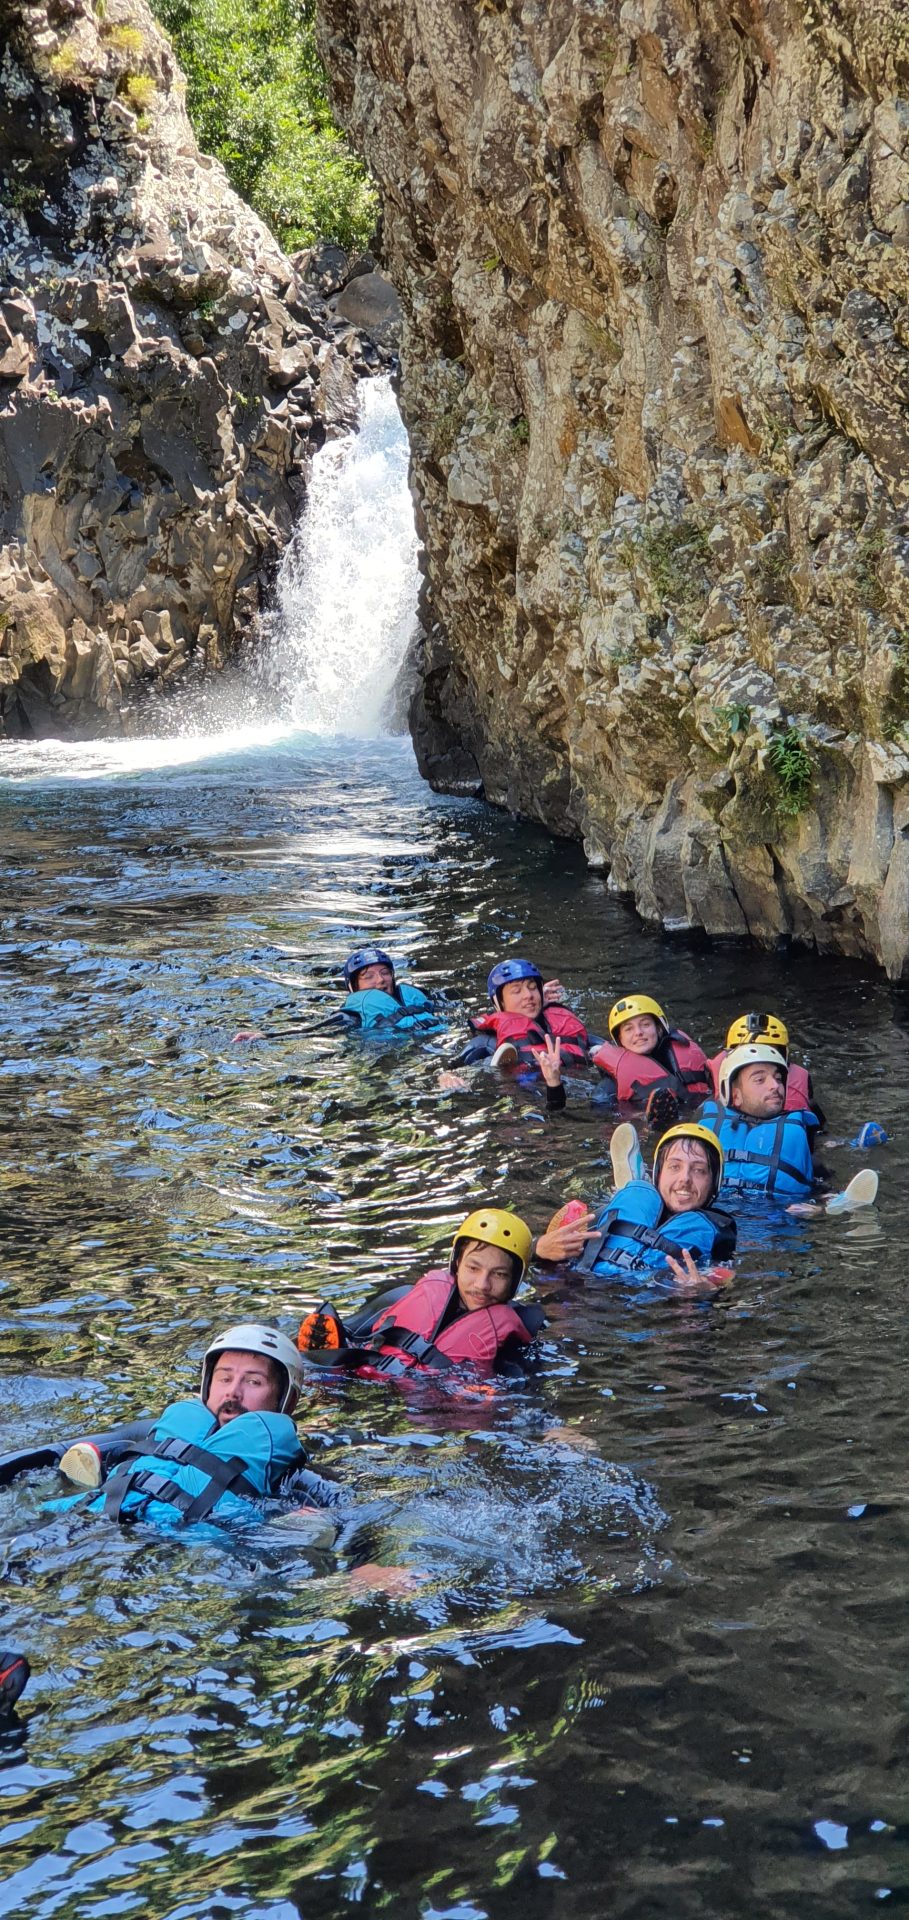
[(654, 266), (164, 376)]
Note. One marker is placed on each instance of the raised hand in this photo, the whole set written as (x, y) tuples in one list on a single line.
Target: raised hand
[(549, 1058), (553, 990), (690, 1278), (565, 1238)]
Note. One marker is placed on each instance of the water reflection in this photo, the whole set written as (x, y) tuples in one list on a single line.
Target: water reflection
[(666, 1675)]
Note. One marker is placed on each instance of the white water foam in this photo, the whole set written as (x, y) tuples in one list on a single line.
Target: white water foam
[(347, 589)]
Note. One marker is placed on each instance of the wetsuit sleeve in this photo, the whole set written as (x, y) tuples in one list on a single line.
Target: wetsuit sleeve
[(480, 1047), (313, 1489), (116, 1445), (724, 1245), (816, 1109), (556, 1098)]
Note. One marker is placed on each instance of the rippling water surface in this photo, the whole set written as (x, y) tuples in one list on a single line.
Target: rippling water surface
[(664, 1676)]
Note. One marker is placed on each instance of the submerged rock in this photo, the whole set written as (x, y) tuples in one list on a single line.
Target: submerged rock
[(654, 274), (164, 376)]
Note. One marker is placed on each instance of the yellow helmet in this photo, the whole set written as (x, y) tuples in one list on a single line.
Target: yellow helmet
[(753, 1055), (496, 1228), (759, 1026), (689, 1130), (633, 1005)]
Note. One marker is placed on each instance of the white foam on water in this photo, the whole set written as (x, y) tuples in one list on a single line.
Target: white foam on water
[(47, 760)]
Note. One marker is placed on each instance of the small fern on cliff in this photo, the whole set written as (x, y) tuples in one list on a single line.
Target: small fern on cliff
[(255, 92), (791, 766)]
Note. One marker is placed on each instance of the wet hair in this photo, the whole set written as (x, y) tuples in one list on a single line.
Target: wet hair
[(688, 1144), (462, 1246)]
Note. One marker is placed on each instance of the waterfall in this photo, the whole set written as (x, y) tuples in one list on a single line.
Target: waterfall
[(345, 607), (347, 590)]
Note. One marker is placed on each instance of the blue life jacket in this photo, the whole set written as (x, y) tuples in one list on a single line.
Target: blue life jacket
[(191, 1469), (764, 1156), (636, 1234), (407, 1009)]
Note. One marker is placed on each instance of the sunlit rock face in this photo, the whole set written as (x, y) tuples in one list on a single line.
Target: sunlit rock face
[(164, 376), (655, 275)]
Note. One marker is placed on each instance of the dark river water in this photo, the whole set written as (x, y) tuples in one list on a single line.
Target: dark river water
[(668, 1675)]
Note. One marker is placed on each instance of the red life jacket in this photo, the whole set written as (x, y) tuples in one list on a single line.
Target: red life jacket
[(799, 1095), (636, 1073), (475, 1338), (525, 1034)]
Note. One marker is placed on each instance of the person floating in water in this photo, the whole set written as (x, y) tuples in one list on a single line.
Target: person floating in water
[(773, 1032), (376, 1002), (462, 1315), (670, 1225), (376, 999), (218, 1457), (769, 1148), (651, 1063), (528, 1018)]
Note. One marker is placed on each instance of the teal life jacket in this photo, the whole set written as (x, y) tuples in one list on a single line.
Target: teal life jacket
[(764, 1156), (407, 1010), (636, 1233), (191, 1469)]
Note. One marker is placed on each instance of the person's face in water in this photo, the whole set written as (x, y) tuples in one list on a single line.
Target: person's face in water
[(685, 1179), (522, 996), (639, 1035), (243, 1383), (377, 979), (485, 1276), (759, 1091)]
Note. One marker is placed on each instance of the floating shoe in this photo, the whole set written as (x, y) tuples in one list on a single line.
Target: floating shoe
[(321, 1331), (872, 1134), (861, 1192), (626, 1156), (662, 1109), (81, 1463), (14, 1672), (505, 1056)]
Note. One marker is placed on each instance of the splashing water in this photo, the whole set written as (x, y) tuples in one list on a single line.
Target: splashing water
[(347, 590)]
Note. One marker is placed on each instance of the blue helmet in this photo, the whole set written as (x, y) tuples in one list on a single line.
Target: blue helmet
[(511, 970), (365, 957)]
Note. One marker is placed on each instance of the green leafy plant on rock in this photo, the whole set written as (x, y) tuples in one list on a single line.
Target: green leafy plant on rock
[(866, 572), (735, 718), (126, 40), (140, 90), (674, 557), (791, 769)]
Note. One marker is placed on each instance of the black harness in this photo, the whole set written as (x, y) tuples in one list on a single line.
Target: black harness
[(774, 1160), (224, 1476)]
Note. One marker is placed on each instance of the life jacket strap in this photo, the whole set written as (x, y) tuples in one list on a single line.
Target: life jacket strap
[(406, 1341), (773, 1160), (620, 1256), (223, 1476)]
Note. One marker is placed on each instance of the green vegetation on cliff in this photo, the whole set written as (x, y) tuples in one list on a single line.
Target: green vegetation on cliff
[(256, 97)]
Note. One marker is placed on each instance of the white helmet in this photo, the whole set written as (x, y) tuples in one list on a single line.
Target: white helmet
[(252, 1336), (756, 1053)]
